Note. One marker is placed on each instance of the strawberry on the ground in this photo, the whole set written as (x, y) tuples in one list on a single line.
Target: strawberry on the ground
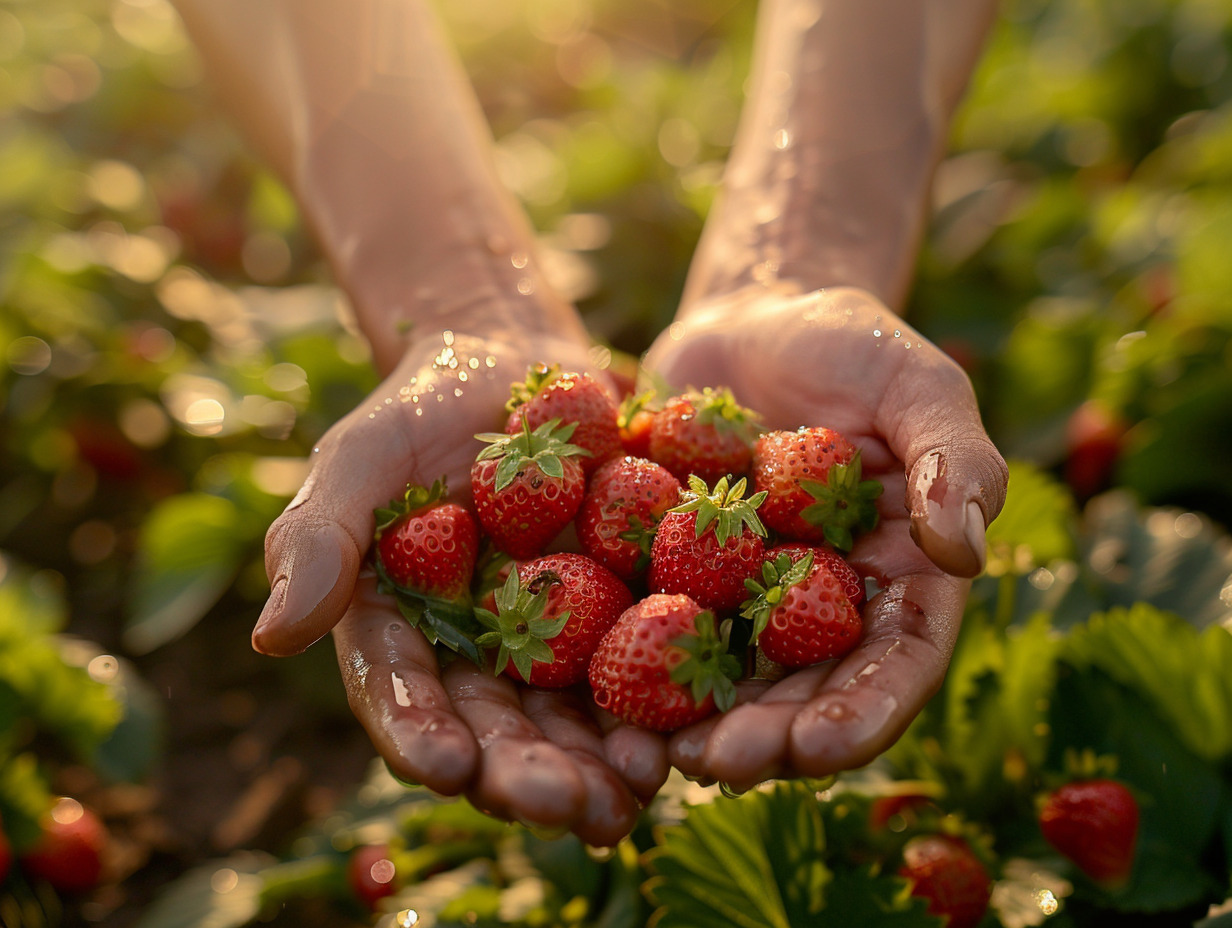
[(426, 544), (853, 586), (371, 874), (634, 419), (624, 503), (562, 602), (548, 393), (527, 487), (1095, 824), (814, 486), (703, 433), (707, 546), (68, 854), (800, 613), (6, 854), (663, 665), (945, 871)]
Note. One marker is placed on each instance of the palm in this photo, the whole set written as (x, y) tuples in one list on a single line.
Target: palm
[(841, 359)]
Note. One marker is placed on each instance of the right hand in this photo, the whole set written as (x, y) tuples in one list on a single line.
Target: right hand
[(519, 753)]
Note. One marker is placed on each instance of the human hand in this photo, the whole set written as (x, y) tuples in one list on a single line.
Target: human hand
[(519, 753), (839, 358)]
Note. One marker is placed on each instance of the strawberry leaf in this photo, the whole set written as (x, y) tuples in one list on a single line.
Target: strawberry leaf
[(708, 669), (779, 576)]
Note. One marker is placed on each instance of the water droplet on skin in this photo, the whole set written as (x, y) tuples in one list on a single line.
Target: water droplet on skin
[(316, 450), (898, 333), (676, 331), (490, 360), (447, 337), (473, 364), (462, 376), (526, 286), (782, 140), (730, 791), (389, 401), (419, 410), (519, 259), (457, 391), (371, 415), (876, 333)]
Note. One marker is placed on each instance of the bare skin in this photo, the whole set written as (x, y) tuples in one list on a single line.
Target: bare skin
[(370, 120)]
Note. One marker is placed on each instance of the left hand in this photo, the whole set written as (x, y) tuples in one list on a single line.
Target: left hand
[(839, 358)]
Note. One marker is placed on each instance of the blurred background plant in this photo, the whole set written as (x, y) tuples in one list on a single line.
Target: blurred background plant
[(172, 344)]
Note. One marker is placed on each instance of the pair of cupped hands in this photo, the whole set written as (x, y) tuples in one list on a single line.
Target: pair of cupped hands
[(552, 759)]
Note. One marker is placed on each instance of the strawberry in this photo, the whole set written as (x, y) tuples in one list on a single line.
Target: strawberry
[(1094, 823), (562, 602), (814, 491), (69, 852), (547, 394), (621, 510), (527, 487), (6, 854), (371, 874), (853, 586), (947, 873), (707, 546), (663, 665), (801, 616), (427, 545), (634, 419), (1094, 443), (706, 433)]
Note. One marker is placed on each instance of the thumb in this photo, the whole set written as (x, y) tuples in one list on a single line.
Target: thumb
[(956, 478)]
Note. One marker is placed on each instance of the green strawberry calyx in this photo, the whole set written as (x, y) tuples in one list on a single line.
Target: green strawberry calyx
[(537, 377), (724, 508), (845, 504), (777, 577), (706, 667), (415, 498), (632, 404), (719, 408), (544, 447), (518, 629)]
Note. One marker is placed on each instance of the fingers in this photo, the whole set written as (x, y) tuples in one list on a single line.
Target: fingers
[(870, 698), (392, 683), (313, 551), (956, 478)]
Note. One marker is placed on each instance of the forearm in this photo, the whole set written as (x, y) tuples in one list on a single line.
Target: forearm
[(847, 114), (363, 110)]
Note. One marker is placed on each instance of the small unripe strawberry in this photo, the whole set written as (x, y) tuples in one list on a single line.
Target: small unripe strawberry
[(1095, 824)]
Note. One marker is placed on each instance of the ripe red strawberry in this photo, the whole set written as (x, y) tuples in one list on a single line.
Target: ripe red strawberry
[(427, 545), (663, 665), (527, 487), (706, 434), (707, 546), (623, 505), (6, 854), (812, 478), (1095, 824), (1094, 443), (564, 603), (634, 419), (371, 874), (570, 397), (945, 871), (853, 586), (801, 616), (69, 852)]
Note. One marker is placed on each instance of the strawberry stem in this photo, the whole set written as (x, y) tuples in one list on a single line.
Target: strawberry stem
[(518, 629), (707, 668), (778, 576), (723, 507), (544, 447), (845, 504)]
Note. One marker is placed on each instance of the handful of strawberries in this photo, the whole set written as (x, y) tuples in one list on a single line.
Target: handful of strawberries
[(688, 578)]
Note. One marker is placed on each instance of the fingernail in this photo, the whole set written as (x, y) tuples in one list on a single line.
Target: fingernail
[(304, 583)]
